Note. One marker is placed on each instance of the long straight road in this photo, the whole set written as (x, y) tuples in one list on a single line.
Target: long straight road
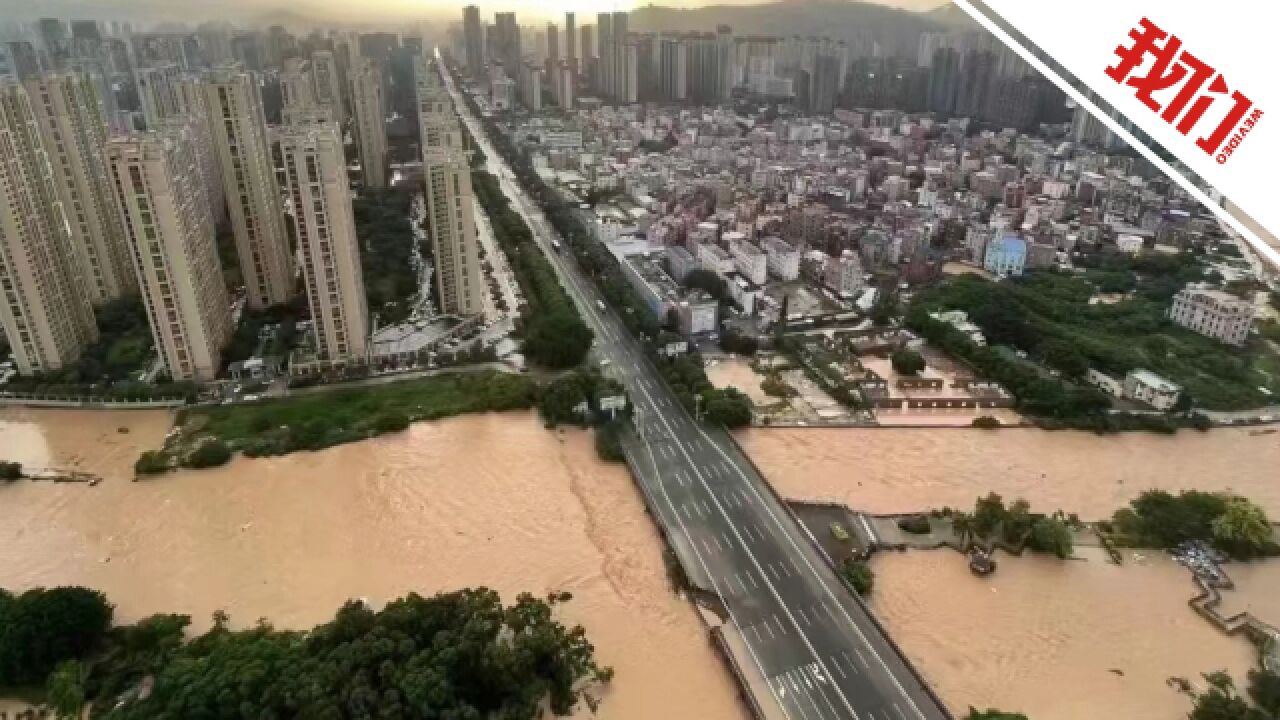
[(815, 644)]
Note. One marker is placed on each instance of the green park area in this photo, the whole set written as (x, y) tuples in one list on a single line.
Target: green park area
[(318, 420), (1049, 317)]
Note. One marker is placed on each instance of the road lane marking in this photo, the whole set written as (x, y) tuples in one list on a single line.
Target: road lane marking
[(773, 572), (839, 670), (728, 544), (804, 617), (862, 659), (755, 498), (899, 711), (707, 545), (685, 508), (705, 507), (769, 627), (778, 620), (751, 576), (829, 613), (732, 617)]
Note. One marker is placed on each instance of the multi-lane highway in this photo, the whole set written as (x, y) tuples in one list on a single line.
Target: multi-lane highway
[(816, 647)]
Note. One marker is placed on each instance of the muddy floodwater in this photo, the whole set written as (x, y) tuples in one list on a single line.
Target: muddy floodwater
[(1057, 640), (887, 470), (490, 500)]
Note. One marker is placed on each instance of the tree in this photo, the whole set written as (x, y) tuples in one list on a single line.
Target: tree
[(1051, 535), (859, 576), (709, 281), (1220, 701), (151, 462), (455, 655), (734, 341), (1242, 528), (562, 396), (1065, 358), (907, 362), (1017, 522), (962, 526), (211, 453), (988, 513), (65, 689), (1264, 688), (41, 628), (10, 470), (728, 407)]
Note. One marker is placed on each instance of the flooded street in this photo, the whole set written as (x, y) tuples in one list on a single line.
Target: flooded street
[(887, 470), (490, 500), (1055, 640)]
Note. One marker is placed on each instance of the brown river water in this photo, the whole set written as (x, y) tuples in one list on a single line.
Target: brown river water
[(498, 500), (490, 500), (887, 470), (1057, 640)]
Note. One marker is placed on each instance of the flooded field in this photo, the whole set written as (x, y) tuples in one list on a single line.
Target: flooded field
[(490, 500), (889, 470), (736, 372), (1055, 640)]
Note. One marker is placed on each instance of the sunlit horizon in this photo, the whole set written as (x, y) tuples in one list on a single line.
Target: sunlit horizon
[(370, 12)]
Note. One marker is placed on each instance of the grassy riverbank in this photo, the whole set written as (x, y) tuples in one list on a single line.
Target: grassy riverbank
[(312, 422)]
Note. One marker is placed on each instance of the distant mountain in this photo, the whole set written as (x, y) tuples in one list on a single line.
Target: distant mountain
[(897, 31), (953, 17)]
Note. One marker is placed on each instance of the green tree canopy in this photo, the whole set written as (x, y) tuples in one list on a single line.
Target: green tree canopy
[(41, 628), (1243, 526), (1051, 535), (907, 362)]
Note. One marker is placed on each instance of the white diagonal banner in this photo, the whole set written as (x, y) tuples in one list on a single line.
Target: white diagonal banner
[(1191, 76)]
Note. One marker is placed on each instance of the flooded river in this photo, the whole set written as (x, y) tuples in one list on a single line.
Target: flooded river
[(490, 500), (1055, 640), (887, 470)]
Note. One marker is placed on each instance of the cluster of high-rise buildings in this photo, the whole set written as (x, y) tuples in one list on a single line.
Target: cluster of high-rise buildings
[(967, 74), (120, 155)]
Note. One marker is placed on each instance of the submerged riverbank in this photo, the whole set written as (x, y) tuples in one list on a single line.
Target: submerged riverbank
[(491, 499), (898, 470), (1057, 640)]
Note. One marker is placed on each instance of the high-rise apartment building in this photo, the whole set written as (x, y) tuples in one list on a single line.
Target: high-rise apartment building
[(158, 92), (473, 38), (158, 188), (45, 314), (296, 88), (73, 131), (587, 49), (325, 231), (570, 38), (673, 69), (326, 80), (249, 181), (168, 96), (553, 42), (506, 42), (369, 110), (459, 282), (603, 80)]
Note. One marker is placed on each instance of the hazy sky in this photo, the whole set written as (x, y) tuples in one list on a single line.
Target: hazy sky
[(341, 10)]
